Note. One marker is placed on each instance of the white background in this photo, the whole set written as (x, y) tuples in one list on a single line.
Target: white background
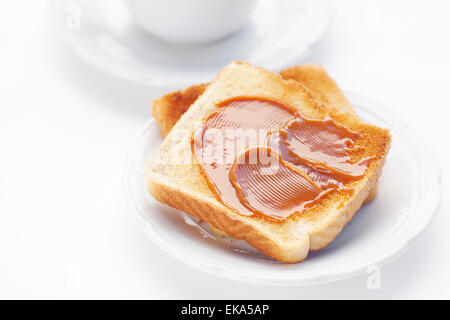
[(65, 228)]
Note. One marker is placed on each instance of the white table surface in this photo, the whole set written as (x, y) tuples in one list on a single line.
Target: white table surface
[(66, 230)]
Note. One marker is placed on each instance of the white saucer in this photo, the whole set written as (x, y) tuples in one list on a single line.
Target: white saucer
[(408, 196), (279, 32)]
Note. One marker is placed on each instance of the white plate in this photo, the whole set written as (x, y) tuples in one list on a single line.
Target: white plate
[(279, 32), (408, 196)]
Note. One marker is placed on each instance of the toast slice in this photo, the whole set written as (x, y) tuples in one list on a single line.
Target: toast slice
[(169, 108), (173, 178)]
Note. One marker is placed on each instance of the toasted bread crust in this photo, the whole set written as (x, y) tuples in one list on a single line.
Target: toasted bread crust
[(219, 219), (323, 236), (170, 107)]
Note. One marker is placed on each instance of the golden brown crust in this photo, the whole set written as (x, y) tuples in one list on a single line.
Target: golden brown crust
[(219, 219), (320, 238), (373, 193), (168, 109)]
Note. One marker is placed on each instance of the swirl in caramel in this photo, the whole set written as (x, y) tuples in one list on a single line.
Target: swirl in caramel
[(262, 157)]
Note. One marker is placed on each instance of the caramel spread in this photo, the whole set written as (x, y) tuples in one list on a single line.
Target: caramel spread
[(262, 157)]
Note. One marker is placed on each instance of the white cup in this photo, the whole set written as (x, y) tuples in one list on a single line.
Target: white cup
[(191, 21)]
